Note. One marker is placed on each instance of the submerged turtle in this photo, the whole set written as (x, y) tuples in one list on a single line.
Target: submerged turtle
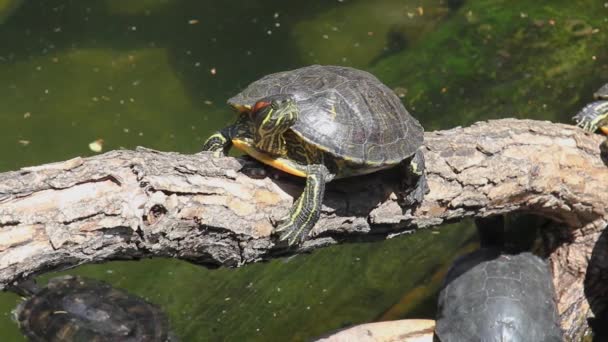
[(500, 292), (489, 295), (73, 308), (594, 116), (321, 123)]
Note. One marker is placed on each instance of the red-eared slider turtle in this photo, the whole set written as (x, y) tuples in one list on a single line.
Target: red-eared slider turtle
[(321, 123), (594, 116), (492, 296), (73, 308)]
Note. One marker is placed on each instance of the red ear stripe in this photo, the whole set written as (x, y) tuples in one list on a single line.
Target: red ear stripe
[(259, 105)]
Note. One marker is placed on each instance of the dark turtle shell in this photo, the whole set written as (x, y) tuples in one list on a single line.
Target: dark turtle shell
[(73, 308), (490, 296), (346, 112)]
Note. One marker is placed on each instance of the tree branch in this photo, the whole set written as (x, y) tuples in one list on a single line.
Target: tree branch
[(133, 204)]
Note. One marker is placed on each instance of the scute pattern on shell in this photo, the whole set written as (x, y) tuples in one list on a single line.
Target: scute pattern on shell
[(490, 296), (344, 111), (72, 308)]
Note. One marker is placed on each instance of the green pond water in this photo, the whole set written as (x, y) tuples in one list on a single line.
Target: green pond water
[(157, 73)]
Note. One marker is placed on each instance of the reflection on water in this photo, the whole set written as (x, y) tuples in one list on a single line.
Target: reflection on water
[(157, 73)]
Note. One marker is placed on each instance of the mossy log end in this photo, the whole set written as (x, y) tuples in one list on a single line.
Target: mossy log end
[(134, 204)]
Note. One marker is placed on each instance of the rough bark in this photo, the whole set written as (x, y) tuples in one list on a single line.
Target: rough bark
[(133, 204)]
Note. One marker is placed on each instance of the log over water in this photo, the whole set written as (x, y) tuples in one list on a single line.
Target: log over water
[(134, 204)]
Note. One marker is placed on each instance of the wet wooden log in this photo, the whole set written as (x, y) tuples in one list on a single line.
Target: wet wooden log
[(143, 203)]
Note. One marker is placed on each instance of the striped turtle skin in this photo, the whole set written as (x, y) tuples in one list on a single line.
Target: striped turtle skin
[(594, 115)]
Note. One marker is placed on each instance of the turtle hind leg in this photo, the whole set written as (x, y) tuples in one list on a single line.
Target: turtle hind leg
[(306, 210), (415, 181)]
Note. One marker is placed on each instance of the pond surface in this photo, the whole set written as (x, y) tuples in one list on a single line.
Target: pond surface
[(157, 73)]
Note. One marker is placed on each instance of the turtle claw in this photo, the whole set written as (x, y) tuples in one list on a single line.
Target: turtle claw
[(215, 149), (593, 116), (290, 231), (218, 154), (416, 195), (415, 181), (305, 212), (219, 143), (289, 235)]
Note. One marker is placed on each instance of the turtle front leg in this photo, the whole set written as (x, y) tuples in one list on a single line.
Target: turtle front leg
[(416, 180), (306, 209), (219, 142)]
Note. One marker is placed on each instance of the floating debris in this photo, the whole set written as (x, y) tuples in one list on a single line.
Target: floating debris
[(580, 28), (24, 142), (96, 146), (193, 21), (26, 115), (400, 91)]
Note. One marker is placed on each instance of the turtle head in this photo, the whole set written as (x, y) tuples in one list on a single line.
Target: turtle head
[(271, 117), (267, 111)]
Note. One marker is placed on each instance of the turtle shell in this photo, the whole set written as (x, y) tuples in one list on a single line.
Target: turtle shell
[(490, 296), (346, 112), (73, 308)]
